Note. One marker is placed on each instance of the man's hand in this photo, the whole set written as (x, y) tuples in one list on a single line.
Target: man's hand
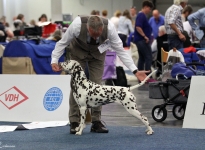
[(141, 75), (146, 39), (55, 67), (182, 37)]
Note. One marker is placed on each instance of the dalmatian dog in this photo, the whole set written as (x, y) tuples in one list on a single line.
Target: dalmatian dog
[(89, 94)]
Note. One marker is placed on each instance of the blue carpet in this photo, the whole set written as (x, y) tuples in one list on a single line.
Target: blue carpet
[(118, 138)]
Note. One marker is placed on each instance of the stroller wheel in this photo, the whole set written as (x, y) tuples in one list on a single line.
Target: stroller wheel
[(178, 111), (159, 113)]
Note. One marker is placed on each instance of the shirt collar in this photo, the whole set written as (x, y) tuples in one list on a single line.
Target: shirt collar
[(180, 7)]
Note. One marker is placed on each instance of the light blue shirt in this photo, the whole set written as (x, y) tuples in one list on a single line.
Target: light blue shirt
[(125, 25), (200, 16), (155, 24)]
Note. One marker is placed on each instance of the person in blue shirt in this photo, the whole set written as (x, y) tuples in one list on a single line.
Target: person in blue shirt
[(199, 28), (155, 22), (142, 36)]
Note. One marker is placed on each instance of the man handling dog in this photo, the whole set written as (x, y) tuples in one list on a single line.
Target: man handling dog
[(88, 37)]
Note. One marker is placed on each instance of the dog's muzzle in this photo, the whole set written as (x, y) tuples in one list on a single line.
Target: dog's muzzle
[(61, 67)]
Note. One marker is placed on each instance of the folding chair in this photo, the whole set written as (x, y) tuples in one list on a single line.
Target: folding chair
[(164, 56)]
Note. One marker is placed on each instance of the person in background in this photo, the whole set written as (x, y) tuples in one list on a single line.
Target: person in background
[(32, 23), (19, 22), (186, 12), (6, 33), (95, 12), (161, 43), (115, 19), (85, 50), (199, 28), (133, 13), (142, 36), (43, 18), (155, 22), (188, 29), (173, 24), (104, 13), (125, 27)]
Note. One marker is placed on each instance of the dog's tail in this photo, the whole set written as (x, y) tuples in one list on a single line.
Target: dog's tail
[(143, 82)]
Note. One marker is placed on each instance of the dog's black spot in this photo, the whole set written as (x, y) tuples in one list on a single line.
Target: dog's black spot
[(102, 95), (132, 107), (128, 108)]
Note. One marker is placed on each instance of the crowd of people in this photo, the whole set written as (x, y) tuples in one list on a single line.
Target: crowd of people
[(6, 32)]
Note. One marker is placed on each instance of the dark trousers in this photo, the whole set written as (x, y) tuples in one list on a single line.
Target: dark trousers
[(123, 37), (174, 41), (145, 55)]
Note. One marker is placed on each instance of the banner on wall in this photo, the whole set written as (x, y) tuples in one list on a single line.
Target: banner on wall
[(195, 109), (34, 98)]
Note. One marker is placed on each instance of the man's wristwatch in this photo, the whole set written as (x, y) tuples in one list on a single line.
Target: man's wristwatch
[(135, 71)]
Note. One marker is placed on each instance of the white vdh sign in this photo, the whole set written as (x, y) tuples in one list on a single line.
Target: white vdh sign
[(29, 98), (195, 109)]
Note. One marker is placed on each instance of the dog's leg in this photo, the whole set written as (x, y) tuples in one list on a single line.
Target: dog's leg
[(131, 107), (83, 110)]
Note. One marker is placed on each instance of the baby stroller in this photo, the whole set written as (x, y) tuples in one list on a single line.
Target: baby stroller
[(174, 92)]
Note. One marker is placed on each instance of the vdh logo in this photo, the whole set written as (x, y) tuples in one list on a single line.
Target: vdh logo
[(203, 110), (12, 97), (52, 99)]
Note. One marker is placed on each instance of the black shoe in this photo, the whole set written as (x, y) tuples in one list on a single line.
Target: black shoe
[(98, 127), (73, 125)]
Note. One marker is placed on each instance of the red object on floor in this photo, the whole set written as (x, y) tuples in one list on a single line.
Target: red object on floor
[(190, 49)]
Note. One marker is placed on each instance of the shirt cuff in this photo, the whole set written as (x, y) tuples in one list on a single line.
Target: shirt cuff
[(133, 68), (54, 60)]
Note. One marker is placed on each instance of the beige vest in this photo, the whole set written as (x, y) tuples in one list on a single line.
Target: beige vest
[(79, 46)]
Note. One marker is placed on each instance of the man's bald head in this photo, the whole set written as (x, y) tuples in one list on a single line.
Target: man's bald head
[(156, 14)]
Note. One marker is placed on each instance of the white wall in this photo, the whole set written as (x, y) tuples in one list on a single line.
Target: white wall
[(84, 7), (31, 9)]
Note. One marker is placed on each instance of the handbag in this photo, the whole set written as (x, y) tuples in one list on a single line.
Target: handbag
[(110, 66)]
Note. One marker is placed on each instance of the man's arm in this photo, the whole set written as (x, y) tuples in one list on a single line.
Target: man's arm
[(192, 18), (141, 32), (181, 36), (117, 45), (72, 32)]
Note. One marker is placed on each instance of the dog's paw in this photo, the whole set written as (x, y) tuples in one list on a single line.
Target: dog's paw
[(77, 128), (149, 131), (78, 133)]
